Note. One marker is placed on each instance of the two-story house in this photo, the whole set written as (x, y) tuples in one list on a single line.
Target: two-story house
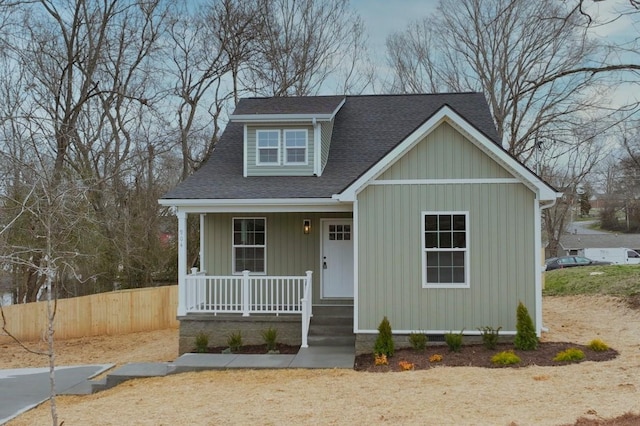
[(403, 206)]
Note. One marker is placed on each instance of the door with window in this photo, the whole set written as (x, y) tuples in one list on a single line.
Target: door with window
[(337, 258)]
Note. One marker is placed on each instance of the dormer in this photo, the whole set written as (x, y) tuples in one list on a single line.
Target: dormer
[(286, 136)]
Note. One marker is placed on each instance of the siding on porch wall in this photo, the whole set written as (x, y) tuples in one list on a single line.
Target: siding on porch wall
[(289, 251)]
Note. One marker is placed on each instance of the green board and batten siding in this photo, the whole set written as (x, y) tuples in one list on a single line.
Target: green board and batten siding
[(289, 251), (501, 232), (283, 169), (326, 130)]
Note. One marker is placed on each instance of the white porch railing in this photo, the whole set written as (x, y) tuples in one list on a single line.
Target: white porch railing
[(250, 294)]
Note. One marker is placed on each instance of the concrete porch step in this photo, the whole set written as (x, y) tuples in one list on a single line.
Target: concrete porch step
[(341, 311), (331, 326), (331, 330), (331, 340)]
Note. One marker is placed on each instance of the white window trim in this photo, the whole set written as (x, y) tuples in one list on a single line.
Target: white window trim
[(423, 251), (258, 148), (233, 246), (306, 147)]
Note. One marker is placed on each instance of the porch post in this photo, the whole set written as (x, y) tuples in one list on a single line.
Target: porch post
[(182, 262), (245, 294), (202, 216), (310, 295)]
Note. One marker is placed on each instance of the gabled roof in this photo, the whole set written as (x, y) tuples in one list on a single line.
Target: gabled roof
[(366, 129)]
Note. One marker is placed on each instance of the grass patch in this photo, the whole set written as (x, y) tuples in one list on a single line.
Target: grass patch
[(615, 280)]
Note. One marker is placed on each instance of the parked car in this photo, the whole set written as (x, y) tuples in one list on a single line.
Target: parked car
[(571, 261)]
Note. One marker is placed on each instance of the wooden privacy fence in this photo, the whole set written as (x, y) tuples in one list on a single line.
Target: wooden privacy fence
[(118, 312)]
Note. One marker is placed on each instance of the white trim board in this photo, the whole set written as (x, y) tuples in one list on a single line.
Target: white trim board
[(268, 205), (445, 181)]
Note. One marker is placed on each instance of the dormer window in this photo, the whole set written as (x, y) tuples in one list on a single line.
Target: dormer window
[(268, 147), (277, 147), (295, 146)]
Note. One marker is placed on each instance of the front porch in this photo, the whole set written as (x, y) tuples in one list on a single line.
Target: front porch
[(221, 305), (250, 274)]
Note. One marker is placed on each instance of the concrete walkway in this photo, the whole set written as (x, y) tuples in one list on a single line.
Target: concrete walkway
[(312, 357), (24, 388)]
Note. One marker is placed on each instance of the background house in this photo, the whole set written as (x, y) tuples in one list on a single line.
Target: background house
[(574, 244)]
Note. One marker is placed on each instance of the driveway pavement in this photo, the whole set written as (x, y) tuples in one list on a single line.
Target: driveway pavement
[(582, 228), (23, 388)]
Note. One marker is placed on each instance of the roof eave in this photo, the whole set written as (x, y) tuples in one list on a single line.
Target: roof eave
[(194, 205)]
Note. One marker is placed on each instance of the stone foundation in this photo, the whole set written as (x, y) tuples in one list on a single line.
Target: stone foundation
[(219, 327)]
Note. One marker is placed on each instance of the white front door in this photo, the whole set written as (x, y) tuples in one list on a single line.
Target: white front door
[(337, 258)]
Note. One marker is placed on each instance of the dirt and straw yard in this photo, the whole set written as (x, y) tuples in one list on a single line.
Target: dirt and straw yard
[(534, 395)]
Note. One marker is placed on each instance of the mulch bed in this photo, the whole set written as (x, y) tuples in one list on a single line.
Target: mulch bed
[(478, 356), (257, 349)]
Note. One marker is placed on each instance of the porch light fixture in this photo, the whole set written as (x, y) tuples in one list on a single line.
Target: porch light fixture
[(306, 226)]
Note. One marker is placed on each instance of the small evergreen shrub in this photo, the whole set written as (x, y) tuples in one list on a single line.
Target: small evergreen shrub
[(202, 342), (384, 341), (526, 338), (598, 345), (270, 336), (505, 358), (234, 341), (418, 341), (453, 341), (490, 336), (569, 355)]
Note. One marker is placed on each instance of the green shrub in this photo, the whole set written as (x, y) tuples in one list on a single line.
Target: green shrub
[(234, 341), (453, 341), (202, 342), (418, 341), (569, 355), (270, 337), (598, 345), (526, 338), (384, 341), (505, 358), (490, 336)]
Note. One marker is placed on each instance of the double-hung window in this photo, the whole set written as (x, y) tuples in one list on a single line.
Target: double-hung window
[(268, 143), (445, 246), (295, 147), (249, 245)]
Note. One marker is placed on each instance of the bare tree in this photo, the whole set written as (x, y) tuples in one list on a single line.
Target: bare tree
[(567, 169), (52, 211), (302, 45), (508, 50), (199, 62)]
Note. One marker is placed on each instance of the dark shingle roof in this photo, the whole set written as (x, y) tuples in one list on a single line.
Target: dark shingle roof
[(366, 128), (581, 241), (300, 105)]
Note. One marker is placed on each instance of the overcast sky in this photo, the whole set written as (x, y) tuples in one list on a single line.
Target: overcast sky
[(384, 17)]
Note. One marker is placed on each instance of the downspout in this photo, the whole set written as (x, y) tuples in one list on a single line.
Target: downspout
[(541, 206)]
